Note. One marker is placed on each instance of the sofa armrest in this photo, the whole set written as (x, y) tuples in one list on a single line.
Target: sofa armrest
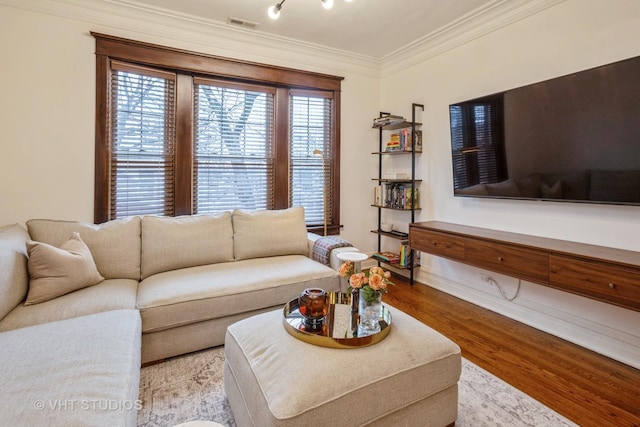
[(334, 261), (311, 239)]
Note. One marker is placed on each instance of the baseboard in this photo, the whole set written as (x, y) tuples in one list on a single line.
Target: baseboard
[(602, 339)]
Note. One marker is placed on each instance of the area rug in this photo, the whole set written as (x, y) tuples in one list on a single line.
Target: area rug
[(191, 387)]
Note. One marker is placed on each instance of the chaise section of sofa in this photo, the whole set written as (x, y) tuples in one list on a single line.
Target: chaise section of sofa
[(83, 371), (71, 360)]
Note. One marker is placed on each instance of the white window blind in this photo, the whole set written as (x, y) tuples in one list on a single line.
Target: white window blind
[(233, 147), (142, 139), (310, 175)]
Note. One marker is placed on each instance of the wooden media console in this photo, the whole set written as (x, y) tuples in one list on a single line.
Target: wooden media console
[(605, 274)]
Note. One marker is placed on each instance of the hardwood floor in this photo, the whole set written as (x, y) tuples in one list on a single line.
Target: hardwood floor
[(588, 388)]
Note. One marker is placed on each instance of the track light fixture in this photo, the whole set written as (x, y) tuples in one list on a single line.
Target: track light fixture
[(274, 11), (327, 4)]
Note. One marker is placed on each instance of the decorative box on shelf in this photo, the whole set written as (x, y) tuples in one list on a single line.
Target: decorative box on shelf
[(396, 175)]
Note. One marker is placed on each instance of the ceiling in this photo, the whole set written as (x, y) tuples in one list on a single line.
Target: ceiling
[(369, 28)]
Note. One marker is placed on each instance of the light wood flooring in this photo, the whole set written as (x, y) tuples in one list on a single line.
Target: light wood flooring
[(587, 388)]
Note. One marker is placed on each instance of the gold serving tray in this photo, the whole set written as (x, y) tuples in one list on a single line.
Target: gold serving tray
[(340, 326)]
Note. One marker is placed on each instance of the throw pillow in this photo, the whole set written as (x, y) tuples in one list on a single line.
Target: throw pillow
[(170, 243), (115, 245), (57, 271)]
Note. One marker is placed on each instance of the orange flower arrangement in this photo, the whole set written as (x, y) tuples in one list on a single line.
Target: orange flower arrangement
[(371, 282)]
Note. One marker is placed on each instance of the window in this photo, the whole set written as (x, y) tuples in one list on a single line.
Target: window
[(142, 142), (310, 131), (185, 133), (234, 152)]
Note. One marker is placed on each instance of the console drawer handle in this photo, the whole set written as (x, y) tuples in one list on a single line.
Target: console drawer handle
[(500, 259), (612, 285)]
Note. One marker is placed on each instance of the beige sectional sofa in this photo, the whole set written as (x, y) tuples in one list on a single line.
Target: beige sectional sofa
[(166, 286)]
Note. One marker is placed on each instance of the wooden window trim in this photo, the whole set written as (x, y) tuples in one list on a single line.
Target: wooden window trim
[(110, 48), (161, 56)]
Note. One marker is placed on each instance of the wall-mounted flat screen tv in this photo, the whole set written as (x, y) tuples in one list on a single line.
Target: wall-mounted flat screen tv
[(573, 138)]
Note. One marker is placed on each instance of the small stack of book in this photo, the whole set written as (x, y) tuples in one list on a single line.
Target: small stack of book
[(387, 120), (393, 144), (388, 257)]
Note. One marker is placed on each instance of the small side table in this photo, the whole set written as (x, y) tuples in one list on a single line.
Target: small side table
[(355, 257)]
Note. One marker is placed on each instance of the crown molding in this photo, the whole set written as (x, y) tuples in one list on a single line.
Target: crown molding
[(476, 24), (128, 19)]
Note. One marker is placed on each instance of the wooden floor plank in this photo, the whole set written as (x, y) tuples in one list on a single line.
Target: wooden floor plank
[(588, 388)]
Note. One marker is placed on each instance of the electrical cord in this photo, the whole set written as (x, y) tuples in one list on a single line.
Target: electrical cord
[(502, 292)]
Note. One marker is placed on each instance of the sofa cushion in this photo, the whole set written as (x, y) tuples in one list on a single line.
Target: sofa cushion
[(170, 243), (77, 372), (195, 294), (58, 271), (14, 276), (115, 245), (111, 294), (269, 233)]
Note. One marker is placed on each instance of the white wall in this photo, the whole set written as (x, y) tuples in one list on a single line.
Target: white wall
[(47, 82), (570, 36), (47, 131)]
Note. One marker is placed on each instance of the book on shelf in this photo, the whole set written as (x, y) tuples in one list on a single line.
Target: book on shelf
[(408, 256), (387, 120), (399, 196), (405, 140), (405, 255), (418, 143), (393, 144), (406, 137), (387, 256), (411, 199), (377, 195)]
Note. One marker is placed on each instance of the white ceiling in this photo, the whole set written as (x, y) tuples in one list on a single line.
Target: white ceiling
[(371, 28)]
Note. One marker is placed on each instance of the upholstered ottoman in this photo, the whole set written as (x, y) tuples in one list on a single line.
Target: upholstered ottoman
[(273, 379)]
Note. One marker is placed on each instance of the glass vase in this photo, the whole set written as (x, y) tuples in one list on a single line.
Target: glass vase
[(313, 307), (370, 312)]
